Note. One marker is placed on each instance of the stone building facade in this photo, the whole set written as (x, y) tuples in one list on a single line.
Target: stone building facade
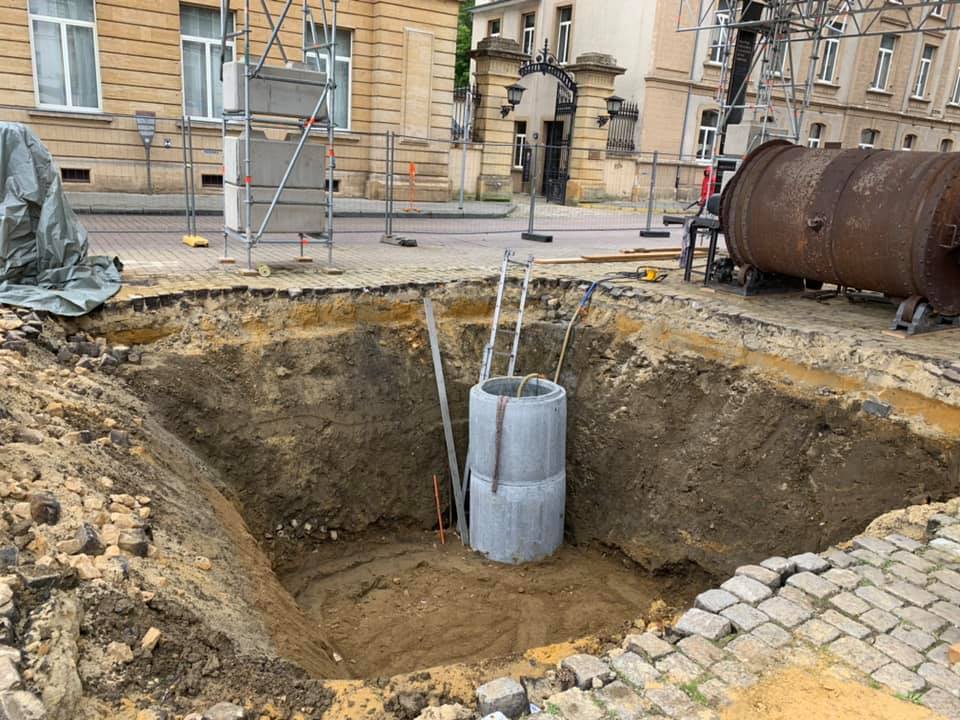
[(77, 71)]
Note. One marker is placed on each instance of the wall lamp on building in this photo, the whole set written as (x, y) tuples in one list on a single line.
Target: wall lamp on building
[(614, 106), (514, 96)]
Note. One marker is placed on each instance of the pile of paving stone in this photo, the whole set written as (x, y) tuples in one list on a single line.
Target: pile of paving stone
[(84, 351), (18, 328), (885, 611)]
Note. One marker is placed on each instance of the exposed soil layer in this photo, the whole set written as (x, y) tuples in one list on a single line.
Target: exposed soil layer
[(390, 601)]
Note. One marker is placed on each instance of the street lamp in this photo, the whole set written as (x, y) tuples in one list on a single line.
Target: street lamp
[(614, 106), (514, 96)]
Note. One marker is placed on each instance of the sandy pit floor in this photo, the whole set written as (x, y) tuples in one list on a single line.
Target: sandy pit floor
[(398, 601)]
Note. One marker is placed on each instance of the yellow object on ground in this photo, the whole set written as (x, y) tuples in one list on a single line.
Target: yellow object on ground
[(195, 241)]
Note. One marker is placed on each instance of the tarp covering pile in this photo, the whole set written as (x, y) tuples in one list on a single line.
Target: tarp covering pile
[(43, 247)]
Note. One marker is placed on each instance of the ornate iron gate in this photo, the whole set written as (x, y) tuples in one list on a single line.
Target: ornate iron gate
[(556, 165)]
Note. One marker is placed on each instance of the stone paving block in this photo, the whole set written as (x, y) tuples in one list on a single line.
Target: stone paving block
[(672, 702), (751, 651), (950, 634), (798, 596), (734, 673), (908, 592), (846, 625), (503, 695), (920, 618), (745, 617), (678, 668), (939, 520), (780, 565), (817, 632), (939, 654), (847, 579), (761, 574), (907, 573), (634, 669), (495, 716), (849, 603), (870, 574), (698, 622), (647, 645), (716, 691), (838, 558), (947, 560), (857, 654), (898, 650), (786, 612), (881, 547), (942, 703), (715, 600), (948, 547), (903, 542), (899, 679), (622, 702), (700, 650), (915, 638), (941, 677), (813, 585), (585, 669), (911, 560), (747, 589), (772, 634), (945, 592), (948, 577), (946, 610), (575, 704), (878, 598), (950, 532), (879, 620), (868, 556), (809, 562)]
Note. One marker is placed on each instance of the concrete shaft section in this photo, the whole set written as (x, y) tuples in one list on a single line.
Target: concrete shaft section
[(517, 468)]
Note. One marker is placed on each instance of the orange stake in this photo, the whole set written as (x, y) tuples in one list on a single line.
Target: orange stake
[(436, 494)]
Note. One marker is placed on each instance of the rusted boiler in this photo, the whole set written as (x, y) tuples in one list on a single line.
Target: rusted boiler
[(877, 220)]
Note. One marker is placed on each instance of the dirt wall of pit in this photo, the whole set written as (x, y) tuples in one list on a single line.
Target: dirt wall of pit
[(683, 446)]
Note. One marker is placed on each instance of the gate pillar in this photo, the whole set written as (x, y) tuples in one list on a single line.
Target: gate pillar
[(497, 66), (594, 73)]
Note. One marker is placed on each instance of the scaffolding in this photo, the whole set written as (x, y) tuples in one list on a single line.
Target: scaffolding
[(318, 34), (784, 30)]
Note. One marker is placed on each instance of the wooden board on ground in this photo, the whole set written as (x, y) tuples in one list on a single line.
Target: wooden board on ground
[(618, 257)]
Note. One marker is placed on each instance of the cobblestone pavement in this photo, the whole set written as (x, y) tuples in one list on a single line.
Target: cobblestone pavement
[(884, 611)]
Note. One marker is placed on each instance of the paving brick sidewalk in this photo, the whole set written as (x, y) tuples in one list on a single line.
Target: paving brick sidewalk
[(884, 611)]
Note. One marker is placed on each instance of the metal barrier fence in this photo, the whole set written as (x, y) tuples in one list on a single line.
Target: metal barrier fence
[(160, 177)]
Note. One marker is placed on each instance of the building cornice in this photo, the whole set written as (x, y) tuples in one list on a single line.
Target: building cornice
[(498, 4)]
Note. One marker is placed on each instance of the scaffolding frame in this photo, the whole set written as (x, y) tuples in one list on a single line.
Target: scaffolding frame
[(784, 26), (252, 236)]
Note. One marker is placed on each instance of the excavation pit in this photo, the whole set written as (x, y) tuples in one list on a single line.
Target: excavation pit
[(318, 417)]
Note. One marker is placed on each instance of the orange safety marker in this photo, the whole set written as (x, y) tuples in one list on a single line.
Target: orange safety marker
[(412, 195), (436, 494)]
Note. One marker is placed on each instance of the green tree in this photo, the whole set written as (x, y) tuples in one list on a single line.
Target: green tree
[(464, 39)]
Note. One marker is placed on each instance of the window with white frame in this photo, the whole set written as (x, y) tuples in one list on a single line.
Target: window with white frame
[(831, 49), (519, 142), (909, 142), (343, 56), (778, 57), (66, 67), (955, 98), (946, 145), (816, 135), (868, 139), (564, 28), (938, 10), (707, 137), (721, 33), (529, 24), (493, 27), (923, 72), (200, 45), (881, 73)]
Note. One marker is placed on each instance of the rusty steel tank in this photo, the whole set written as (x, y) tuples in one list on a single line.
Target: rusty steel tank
[(879, 220)]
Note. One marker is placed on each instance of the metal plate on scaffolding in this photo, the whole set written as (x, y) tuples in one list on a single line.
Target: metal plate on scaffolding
[(275, 90), (269, 160), (297, 210)]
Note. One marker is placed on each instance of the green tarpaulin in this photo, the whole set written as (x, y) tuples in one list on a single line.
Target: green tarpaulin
[(43, 247)]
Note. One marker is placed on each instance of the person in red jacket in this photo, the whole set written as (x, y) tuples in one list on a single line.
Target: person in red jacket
[(708, 187)]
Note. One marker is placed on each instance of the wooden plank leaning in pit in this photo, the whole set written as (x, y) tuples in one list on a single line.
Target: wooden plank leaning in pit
[(620, 257)]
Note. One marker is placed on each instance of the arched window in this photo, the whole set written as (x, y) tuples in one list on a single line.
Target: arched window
[(946, 145), (816, 135), (868, 139), (909, 142), (709, 121)]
